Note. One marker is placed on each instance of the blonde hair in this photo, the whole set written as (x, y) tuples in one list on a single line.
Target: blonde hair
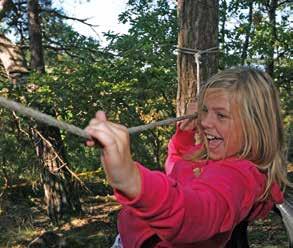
[(258, 106)]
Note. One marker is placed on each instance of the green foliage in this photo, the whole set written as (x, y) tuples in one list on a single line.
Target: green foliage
[(266, 39), (16, 151), (133, 78), (144, 57)]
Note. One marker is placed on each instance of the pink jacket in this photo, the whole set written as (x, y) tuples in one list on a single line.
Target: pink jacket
[(197, 204)]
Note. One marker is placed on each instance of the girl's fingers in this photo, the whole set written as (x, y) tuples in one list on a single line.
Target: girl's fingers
[(101, 116), (101, 133), (93, 128), (119, 167), (106, 133), (190, 124), (90, 143)]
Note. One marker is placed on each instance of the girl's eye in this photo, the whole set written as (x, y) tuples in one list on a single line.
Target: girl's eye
[(221, 116)]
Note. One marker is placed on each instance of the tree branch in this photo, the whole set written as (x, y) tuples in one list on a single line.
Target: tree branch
[(56, 13), (283, 2)]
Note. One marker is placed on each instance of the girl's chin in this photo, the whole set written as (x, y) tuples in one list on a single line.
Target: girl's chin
[(221, 156), (216, 158), (216, 155)]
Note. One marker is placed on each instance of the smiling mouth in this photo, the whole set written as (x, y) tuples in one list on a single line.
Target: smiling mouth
[(213, 141)]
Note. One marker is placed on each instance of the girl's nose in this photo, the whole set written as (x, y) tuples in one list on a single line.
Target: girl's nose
[(207, 120)]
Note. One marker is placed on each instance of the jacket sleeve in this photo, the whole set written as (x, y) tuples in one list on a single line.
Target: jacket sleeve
[(181, 143), (213, 203)]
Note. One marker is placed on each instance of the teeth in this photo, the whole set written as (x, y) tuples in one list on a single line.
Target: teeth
[(210, 137)]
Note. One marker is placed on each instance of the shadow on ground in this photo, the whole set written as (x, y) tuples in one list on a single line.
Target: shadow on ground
[(23, 218)]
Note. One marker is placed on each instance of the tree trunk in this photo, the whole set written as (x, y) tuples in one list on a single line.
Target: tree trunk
[(60, 191), (223, 17), (198, 30), (35, 36), (247, 34), (270, 65)]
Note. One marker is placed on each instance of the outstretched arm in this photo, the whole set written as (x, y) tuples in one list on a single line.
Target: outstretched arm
[(121, 171)]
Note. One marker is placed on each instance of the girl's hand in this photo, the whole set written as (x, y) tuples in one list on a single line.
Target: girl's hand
[(189, 124), (122, 173)]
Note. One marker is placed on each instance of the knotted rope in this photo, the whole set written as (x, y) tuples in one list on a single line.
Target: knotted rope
[(197, 59), (51, 121)]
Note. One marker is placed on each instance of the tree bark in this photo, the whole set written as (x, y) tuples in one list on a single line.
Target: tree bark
[(61, 192), (198, 29), (248, 34), (270, 64), (35, 36), (223, 26)]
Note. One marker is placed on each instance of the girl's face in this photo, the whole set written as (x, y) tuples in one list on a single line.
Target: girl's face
[(220, 126)]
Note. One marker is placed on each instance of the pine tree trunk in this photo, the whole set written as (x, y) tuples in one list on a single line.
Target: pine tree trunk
[(247, 34), (35, 36), (270, 63), (198, 29), (61, 194)]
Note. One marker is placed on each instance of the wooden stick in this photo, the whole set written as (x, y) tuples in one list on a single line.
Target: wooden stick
[(51, 121), (141, 128)]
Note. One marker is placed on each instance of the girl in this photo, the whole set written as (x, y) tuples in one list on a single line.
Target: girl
[(235, 174)]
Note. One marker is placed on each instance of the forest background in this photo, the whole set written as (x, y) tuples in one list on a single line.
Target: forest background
[(48, 179)]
